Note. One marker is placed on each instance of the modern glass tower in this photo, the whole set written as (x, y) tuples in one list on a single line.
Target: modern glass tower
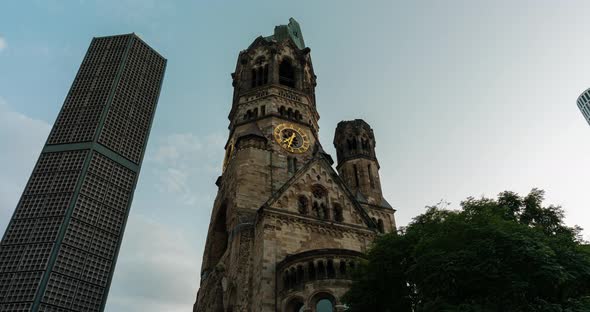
[(60, 248), (584, 104)]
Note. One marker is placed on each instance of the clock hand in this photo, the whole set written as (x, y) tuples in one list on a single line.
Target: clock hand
[(291, 139)]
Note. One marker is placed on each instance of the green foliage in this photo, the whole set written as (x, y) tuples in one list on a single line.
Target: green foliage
[(508, 254)]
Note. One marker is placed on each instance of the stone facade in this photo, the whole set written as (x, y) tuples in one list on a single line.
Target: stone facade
[(286, 228)]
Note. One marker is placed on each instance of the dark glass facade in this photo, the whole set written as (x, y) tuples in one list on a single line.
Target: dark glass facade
[(59, 250)]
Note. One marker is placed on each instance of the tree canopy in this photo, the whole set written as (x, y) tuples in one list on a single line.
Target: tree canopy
[(505, 254)]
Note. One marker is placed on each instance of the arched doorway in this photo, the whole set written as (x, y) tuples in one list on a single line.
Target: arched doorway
[(323, 302), (324, 305)]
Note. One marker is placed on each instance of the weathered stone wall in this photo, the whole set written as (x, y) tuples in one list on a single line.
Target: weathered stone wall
[(284, 234)]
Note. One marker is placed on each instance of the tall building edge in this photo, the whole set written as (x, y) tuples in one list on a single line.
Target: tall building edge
[(91, 147), (583, 102), (136, 180), (114, 163)]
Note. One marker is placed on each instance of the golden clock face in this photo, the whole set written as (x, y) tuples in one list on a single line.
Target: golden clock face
[(292, 138)]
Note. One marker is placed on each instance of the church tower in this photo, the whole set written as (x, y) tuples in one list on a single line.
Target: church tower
[(358, 166), (285, 229)]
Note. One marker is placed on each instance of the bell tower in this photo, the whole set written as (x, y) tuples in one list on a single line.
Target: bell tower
[(285, 229), (354, 141), (357, 163)]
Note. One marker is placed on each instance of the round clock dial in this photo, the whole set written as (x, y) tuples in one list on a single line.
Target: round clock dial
[(291, 138)]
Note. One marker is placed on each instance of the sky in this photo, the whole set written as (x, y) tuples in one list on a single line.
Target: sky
[(466, 98)]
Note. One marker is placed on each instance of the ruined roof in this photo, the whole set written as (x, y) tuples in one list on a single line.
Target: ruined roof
[(291, 30)]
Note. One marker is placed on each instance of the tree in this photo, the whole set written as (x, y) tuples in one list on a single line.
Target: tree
[(507, 254)]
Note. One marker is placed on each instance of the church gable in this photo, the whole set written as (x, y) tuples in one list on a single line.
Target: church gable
[(317, 192)]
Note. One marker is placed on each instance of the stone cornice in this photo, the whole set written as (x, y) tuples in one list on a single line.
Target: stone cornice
[(327, 227)]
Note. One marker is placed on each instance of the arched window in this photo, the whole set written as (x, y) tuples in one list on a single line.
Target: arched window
[(259, 72), (371, 180), (320, 202), (303, 205), (265, 73), (338, 213), (331, 272), (218, 242), (323, 302), (349, 144), (282, 111), (365, 144), (325, 213), (317, 211), (286, 279), (324, 305), (291, 164), (356, 175), (290, 113), (311, 271), (300, 274), (342, 268), (321, 272), (380, 226), (292, 278), (287, 74), (254, 78)]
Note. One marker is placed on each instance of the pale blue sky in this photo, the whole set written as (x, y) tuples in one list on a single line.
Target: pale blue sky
[(466, 98)]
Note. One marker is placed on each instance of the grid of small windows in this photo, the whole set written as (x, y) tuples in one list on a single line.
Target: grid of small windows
[(584, 105), (16, 307), (48, 308), (36, 206), (64, 292), (35, 257), (32, 257), (19, 286), (88, 297), (30, 237), (129, 117), (70, 261), (82, 109), (60, 290), (84, 261), (56, 173)]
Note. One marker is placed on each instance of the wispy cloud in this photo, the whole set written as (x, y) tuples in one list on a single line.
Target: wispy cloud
[(175, 181), (179, 160), (157, 269), (2, 43), (21, 138)]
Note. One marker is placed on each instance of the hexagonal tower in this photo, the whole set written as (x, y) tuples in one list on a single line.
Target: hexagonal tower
[(354, 141)]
